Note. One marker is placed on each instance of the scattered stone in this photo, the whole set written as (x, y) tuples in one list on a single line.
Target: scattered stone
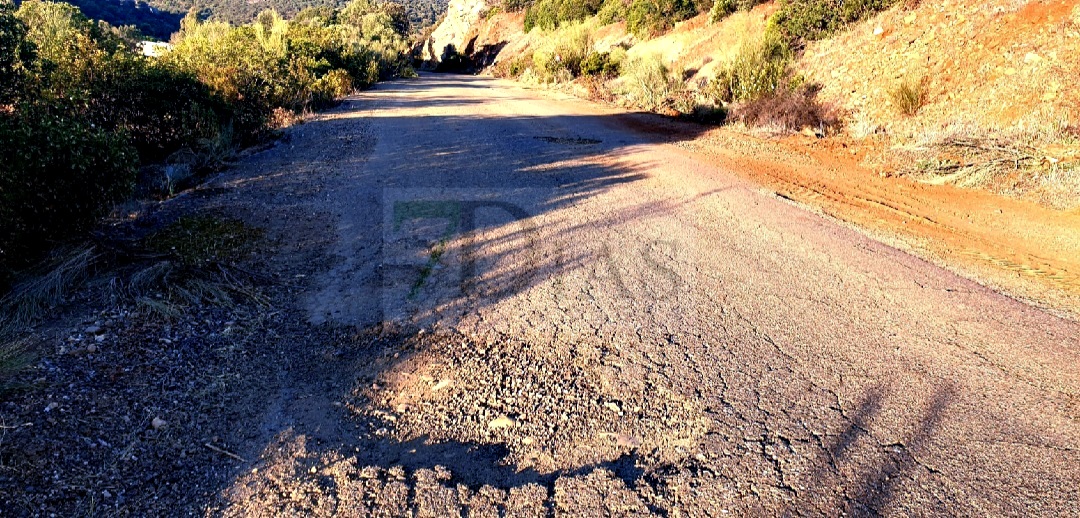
[(91, 348), (158, 423), (92, 330), (52, 406), (501, 422), (441, 385)]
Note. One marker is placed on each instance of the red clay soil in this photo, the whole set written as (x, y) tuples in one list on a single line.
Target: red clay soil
[(1027, 250)]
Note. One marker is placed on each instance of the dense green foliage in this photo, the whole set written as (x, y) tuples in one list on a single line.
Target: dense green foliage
[(816, 19), (567, 54), (722, 8), (81, 110), (419, 13), (757, 70), (647, 18), (549, 14), (149, 20), (160, 18)]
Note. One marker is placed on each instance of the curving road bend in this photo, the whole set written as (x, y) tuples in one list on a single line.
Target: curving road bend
[(613, 326)]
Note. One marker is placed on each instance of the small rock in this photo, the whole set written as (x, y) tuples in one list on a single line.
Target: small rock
[(106, 494), (158, 423), (441, 385), (879, 31), (91, 348), (501, 422), (92, 330), (52, 406)]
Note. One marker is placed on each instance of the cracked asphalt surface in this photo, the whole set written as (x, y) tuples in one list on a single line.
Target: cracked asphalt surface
[(560, 315)]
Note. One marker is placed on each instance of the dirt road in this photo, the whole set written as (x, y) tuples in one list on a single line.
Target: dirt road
[(555, 314)]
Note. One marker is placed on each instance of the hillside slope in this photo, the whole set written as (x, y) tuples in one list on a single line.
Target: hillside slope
[(995, 78)]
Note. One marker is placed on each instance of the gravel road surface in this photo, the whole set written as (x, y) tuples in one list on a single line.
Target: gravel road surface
[(556, 314)]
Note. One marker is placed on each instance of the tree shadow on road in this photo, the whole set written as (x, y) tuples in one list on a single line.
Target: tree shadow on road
[(433, 220)]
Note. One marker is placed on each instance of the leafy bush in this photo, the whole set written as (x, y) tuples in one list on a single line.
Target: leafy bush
[(647, 18), (758, 70), (512, 68), (612, 11), (60, 174), (80, 109), (816, 19), (550, 14), (513, 6), (600, 64), (564, 54), (722, 8), (909, 96)]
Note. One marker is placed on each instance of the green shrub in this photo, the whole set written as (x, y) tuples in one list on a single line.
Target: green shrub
[(60, 175), (563, 55), (647, 18), (816, 19), (512, 68), (17, 56), (908, 96), (600, 64), (550, 14), (758, 70), (722, 8), (612, 11), (80, 110), (513, 6)]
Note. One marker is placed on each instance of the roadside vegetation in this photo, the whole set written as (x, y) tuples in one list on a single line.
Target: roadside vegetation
[(766, 85), (758, 87), (81, 111)]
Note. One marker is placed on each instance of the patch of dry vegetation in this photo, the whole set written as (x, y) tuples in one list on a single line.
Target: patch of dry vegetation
[(909, 95)]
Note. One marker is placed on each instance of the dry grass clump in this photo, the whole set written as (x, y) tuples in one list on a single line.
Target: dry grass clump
[(788, 110), (909, 96), (648, 83), (188, 263), (28, 300), (1037, 163), (512, 68), (14, 356)]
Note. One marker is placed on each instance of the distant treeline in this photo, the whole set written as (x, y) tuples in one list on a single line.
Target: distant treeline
[(149, 20), (81, 110), (158, 19)]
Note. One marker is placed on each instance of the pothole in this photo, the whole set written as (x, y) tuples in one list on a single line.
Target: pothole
[(571, 141)]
